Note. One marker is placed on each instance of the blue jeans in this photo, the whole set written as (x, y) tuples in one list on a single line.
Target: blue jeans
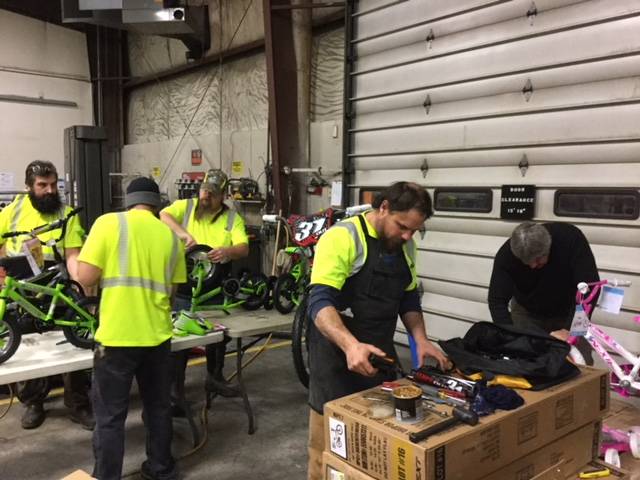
[(113, 371)]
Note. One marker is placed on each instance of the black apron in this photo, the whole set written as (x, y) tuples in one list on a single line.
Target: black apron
[(373, 295)]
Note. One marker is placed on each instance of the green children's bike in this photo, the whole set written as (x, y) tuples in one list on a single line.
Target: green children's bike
[(45, 301), (210, 287)]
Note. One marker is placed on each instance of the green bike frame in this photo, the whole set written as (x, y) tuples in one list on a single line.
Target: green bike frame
[(199, 300), (12, 292)]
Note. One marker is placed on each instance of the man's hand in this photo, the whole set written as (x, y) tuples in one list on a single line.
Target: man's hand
[(426, 349), (358, 358), (188, 240), (561, 334), (218, 255)]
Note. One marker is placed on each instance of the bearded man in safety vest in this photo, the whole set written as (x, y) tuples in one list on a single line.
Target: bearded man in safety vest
[(138, 261), (207, 220), (363, 279), (41, 204)]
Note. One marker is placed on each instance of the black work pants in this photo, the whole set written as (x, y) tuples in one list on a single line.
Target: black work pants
[(76, 390), (113, 372)]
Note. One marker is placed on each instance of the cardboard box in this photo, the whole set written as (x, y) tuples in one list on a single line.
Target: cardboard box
[(566, 455), (381, 447), (336, 469)]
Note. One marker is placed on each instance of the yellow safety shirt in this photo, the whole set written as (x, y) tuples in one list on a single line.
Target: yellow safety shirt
[(20, 215), (228, 230), (342, 251), (140, 258)]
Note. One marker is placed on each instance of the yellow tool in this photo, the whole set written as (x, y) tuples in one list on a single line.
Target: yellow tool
[(595, 473)]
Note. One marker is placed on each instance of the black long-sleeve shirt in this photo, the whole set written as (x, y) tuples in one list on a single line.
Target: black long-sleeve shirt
[(550, 290)]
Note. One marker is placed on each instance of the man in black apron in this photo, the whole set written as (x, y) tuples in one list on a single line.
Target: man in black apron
[(363, 277)]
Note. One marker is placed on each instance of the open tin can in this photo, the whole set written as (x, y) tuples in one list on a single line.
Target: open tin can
[(407, 402)]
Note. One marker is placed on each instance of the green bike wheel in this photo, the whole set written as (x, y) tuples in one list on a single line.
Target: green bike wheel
[(81, 336), (285, 293), (10, 337)]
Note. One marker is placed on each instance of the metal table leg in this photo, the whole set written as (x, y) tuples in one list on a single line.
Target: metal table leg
[(241, 387)]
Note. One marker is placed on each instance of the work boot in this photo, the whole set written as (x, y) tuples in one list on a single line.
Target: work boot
[(33, 416), (83, 417), (148, 474)]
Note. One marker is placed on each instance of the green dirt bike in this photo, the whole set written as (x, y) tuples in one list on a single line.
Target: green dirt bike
[(46, 300), (211, 288)]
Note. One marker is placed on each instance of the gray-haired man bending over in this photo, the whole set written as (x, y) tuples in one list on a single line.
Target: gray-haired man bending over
[(535, 276)]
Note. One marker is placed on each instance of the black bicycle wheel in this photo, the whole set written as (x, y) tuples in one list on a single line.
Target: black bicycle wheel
[(268, 301), (285, 293), (81, 336), (258, 284), (10, 337), (299, 348), (212, 273)]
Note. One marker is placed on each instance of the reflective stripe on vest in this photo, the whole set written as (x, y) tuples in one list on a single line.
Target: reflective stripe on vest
[(358, 262), (408, 248), (187, 214), (13, 226), (124, 280)]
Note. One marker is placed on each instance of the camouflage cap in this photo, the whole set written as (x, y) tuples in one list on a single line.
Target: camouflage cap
[(215, 181)]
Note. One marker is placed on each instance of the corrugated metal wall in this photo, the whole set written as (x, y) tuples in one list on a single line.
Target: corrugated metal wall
[(442, 82)]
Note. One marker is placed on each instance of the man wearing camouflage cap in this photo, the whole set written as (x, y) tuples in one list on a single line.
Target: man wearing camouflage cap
[(207, 220)]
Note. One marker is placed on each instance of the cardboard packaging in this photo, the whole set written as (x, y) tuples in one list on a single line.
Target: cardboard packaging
[(566, 455), (336, 469), (381, 447)]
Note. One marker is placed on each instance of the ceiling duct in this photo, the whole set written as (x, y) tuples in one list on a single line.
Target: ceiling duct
[(169, 18)]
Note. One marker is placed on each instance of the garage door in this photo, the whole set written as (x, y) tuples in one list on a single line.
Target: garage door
[(467, 96)]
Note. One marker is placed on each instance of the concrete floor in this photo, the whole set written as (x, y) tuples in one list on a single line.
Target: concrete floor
[(277, 449)]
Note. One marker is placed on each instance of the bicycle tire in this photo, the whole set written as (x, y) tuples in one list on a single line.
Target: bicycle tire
[(215, 272), (10, 337), (260, 283), (284, 291), (268, 301), (77, 336), (299, 348)]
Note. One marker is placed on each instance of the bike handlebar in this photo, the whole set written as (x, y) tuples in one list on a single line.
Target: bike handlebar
[(356, 209), (47, 227)]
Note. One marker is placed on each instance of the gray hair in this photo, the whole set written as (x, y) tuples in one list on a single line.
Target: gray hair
[(529, 241)]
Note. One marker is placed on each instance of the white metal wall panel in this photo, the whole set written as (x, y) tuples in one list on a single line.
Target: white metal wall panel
[(561, 48), (514, 29), (468, 89), (449, 24)]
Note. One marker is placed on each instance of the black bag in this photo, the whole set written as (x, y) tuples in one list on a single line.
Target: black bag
[(509, 350)]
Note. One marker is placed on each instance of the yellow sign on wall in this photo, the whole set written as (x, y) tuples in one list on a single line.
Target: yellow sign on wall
[(237, 167)]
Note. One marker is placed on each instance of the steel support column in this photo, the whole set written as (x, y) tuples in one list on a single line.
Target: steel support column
[(283, 98)]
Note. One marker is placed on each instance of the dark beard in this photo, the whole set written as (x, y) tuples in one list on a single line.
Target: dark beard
[(46, 204), (391, 246)]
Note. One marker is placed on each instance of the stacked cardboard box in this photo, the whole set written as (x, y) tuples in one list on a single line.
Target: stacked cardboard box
[(555, 428)]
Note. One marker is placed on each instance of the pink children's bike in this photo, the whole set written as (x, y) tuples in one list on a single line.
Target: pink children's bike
[(624, 377)]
